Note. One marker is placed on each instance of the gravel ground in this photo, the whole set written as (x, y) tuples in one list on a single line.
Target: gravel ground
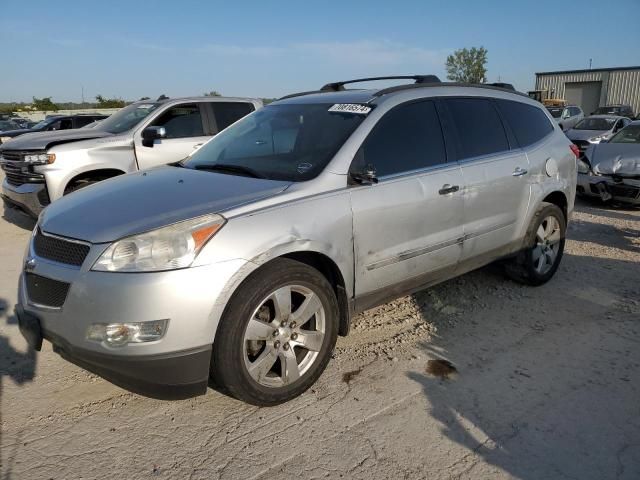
[(543, 383)]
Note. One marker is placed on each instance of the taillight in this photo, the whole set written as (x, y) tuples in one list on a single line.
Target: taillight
[(574, 148)]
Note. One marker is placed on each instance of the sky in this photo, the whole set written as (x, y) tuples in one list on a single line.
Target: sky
[(130, 49)]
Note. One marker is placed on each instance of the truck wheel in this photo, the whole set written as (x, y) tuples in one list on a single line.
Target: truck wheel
[(276, 335), (538, 261)]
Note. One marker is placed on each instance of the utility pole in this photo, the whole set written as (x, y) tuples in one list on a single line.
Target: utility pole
[(82, 94), (590, 60)]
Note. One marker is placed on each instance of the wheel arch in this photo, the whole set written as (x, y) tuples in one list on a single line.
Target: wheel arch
[(97, 174), (559, 199)]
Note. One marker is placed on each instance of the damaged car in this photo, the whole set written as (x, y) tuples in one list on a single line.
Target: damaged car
[(592, 130), (610, 170)]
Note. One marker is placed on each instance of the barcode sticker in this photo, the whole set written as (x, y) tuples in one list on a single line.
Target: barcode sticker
[(350, 108)]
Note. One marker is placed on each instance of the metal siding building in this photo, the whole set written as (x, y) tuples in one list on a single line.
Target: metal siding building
[(593, 88)]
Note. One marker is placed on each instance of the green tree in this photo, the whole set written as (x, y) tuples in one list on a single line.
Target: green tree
[(213, 93), (45, 104), (109, 102), (467, 65)]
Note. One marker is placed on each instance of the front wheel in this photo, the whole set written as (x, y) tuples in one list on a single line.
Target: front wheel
[(277, 334), (544, 245)]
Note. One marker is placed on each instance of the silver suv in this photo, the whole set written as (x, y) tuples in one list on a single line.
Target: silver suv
[(244, 262)]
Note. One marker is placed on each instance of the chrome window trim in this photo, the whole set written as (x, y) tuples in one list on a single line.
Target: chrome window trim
[(419, 171)]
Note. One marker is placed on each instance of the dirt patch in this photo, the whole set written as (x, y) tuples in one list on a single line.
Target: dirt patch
[(441, 368)]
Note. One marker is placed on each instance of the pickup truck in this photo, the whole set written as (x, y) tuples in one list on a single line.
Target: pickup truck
[(40, 168)]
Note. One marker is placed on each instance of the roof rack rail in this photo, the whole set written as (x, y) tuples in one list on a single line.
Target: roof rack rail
[(507, 86), (419, 79), (492, 86)]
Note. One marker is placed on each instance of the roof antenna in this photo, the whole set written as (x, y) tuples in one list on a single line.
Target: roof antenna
[(162, 97)]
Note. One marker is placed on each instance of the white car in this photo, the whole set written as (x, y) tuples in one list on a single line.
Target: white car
[(42, 167)]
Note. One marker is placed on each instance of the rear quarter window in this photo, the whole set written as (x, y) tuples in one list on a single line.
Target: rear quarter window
[(529, 124)]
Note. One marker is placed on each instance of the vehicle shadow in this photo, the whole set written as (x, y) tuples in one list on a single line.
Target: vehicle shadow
[(604, 234), (19, 367), (595, 206), (19, 219), (504, 414)]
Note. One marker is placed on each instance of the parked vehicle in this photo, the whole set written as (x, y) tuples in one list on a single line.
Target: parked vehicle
[(7, 125), (618, 109), (42, 168), (20, 122), (245, 261), (592, 130), (53, 123), (566, 117), (611, 169)]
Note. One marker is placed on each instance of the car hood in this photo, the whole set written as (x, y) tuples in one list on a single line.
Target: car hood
[(44, 140), (584, 134), (144, 201), (621, 159)]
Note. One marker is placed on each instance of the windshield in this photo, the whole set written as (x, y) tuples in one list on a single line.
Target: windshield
[(629, 134), (279, 142), (556, 112), (127, 118), (595, 124)]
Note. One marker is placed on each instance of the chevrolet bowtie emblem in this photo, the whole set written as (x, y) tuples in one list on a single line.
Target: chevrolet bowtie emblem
[(30, 264)]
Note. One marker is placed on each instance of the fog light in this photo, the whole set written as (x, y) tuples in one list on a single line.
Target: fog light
[(119, 334)]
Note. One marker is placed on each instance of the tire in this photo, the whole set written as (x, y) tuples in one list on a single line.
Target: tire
[(242, 353), (538, 261)]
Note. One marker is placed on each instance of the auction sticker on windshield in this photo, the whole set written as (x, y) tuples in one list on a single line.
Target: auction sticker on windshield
[(350, 108)]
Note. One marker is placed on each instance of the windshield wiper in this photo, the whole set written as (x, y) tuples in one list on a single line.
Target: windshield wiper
[(225, 167)]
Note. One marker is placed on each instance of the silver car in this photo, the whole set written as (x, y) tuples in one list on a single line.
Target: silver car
[(244, 262), (567, 117), (594, 129), (611, 169)]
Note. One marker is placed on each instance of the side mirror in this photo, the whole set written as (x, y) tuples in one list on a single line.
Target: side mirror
[(367, 176), (150, 134)]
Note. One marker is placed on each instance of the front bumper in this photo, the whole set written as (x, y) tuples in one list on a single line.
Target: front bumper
[(31, 198), (175, 366), (169, 376), (625, 190)]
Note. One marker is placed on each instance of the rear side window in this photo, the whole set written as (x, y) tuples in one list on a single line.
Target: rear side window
[(529, 124), (227, 113), (82, 121), (479, 128), (408, 137), (181, 121)]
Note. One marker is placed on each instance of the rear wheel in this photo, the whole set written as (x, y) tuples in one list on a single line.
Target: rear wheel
[(544, 245), (277, 334)]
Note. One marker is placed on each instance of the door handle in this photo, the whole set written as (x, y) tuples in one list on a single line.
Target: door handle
[(446, 188), (518, 172), (260, 142), (197, 145)]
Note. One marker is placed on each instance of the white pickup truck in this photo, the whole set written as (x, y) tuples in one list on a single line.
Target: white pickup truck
[(39, 168)]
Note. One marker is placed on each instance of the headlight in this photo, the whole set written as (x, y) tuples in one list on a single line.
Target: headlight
[(598, 139), (5, 139), (582, 167), (167, 248), (40, 158)]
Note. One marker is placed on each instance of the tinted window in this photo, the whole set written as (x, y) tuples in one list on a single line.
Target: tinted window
[(480, 131), (82, 121), (556, 112), (181, 121), (408, 137), (230, 112), (529, 124)]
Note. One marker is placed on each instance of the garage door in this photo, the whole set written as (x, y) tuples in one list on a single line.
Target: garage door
[(584, 94)]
